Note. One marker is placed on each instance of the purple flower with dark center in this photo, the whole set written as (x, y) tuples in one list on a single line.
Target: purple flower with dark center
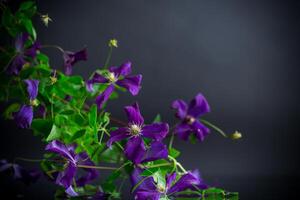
[(66, 177), (24, 116), (22, 53), (189, 114), (19, 173), (70, 58), (135, 149), (115, 77), (148, 189)]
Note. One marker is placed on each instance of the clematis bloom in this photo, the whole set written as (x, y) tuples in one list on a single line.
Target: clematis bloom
[(135, 149), (116, 76), (71, 58), (189, 114), (66, 177)]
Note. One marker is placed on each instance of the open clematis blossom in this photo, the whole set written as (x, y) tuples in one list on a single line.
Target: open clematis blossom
[(115, 77), (67, 177), (135, 149), (189, 114)]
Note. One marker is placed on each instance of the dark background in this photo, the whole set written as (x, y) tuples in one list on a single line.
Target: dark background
[(242, 55)]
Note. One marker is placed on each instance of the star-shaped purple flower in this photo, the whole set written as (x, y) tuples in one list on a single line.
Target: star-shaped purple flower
[(189, 114), (135, 149), (116, 76), (22, 53), (24, 116), (148, 189), (70, 58), (66, 177)]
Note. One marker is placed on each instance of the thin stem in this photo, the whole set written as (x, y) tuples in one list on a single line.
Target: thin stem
[(177, 164), (53, 46), (171, 140), (97, 167), (29, 160), (214, 127), (125, 164), (118, 121), (159, 165), (107, 133), (108, 57), (52, 105), (7, 65), (139, 183)]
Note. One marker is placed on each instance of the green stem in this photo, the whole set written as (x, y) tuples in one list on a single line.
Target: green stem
[(28, 160), (171, 141), (214, 127), (177, 164), (125, 164), (139, 183), (107, 133), (53, 46), (159, 165), (108, 57), (97, 167)]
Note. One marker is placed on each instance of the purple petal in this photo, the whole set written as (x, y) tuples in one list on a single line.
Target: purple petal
[(183, 130), (41, 111), (97, 78), (71, 192), (200, 130), (68, 69), (136, 178), (70, 58), (16, 65), (24, 116), (186, 181), (32, 88), (123, 70), (144, 194), (181, 108), (117, 135), (65, 178), (132, 84), (32, 51), (104, 96), (90, 175), (170, 178), (135, 149), (58, 147), (198, 106), (20, 41), (157, 151), (133, 114), (4, 165), (156, 131)]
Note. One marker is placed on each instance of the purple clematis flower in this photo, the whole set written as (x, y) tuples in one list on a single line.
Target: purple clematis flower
[(148, 189), (189, 114), (24, 116), (22, 53), (135, 149), (19, 173), (66, 177), (70, 58), (116, 76)]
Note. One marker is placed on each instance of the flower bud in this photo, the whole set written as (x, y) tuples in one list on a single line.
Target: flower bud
[(236, 135), (113, 43), (46, 19)]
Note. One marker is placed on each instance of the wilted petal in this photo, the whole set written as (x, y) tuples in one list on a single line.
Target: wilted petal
[(186, 181), (132, 84), (97, 78), (104, 96), (71, 192), (122, 70), (183, 130), (58, 147), (135, 149), (70, 58), (170, 178), (65, 178), (145, 194), (200, 130), (24, 116), (198, 106), (117, 135), (157, 151), (156, 131), (181, 108), (16, 65), (32, 88), (133, 114)]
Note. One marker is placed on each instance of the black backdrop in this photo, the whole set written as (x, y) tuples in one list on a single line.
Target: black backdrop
[(242, 55)]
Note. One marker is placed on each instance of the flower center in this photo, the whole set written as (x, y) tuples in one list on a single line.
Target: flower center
[(111, 77), (160, 188), (189, 119), (135, 129), (34, 102)]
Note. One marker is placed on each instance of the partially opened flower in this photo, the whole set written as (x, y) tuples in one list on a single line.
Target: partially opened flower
[(19, 173), (116, 76), (189, 114), (67, 177), (135, 149), (71, 58), (24, 116), (149, 189), (22, 53)]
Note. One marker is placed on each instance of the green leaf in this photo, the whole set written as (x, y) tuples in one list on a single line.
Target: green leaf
[(10, 110), (55, 133), (78, 134), (174, 153), (41, 126), (28, 8), (111, 155), (93, 121), (27, 23), (157, 119)]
